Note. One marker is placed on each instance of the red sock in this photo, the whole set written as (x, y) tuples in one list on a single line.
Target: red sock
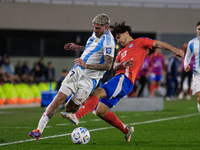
[(89, 105), (112, 119)]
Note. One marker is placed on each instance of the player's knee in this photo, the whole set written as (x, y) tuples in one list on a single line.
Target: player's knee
[(100, 114), (99, 92)]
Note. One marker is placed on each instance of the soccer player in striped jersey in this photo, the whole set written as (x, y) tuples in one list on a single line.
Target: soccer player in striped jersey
[(194, 49), (96, 58), (127, 65)]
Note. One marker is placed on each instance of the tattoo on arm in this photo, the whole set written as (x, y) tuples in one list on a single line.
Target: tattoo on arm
[(105, 66), (82, 48)]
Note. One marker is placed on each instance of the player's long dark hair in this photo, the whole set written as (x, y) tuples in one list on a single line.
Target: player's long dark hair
[(121, 28)]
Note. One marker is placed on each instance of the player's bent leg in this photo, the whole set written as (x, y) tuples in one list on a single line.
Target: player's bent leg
[(57, 101), (50, 111), (102, 110), (90, 104), (108, 116), (70, 106)]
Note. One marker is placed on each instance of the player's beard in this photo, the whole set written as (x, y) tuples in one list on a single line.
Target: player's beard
[(99, 34)]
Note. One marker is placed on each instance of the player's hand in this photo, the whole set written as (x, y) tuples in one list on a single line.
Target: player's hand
[(127, 63), (71, 46), (179, 52), (187, 68), (79, 61)]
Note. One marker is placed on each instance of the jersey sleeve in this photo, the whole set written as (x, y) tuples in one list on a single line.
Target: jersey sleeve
[(109, 46), (189, 54), (148, 43)]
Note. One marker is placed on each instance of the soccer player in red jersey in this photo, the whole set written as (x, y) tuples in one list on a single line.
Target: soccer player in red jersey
[(127, 65)]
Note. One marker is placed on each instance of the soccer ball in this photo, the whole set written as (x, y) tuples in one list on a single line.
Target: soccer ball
[(80, 135)]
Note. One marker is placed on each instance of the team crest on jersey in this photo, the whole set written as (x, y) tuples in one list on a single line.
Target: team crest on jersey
[(131, 45), (96, 40), (108, 50)]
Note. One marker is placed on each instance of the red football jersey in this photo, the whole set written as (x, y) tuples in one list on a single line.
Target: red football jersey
[(135, 50)]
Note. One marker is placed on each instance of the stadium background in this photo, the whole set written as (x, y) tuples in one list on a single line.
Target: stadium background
[(31, 29)]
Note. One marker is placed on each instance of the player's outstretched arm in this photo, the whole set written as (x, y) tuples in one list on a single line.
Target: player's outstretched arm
[(105, 66), (166, 46), (74, 47)]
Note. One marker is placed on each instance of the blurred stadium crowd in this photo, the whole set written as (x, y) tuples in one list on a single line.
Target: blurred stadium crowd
[(21, 84), (22, 73)]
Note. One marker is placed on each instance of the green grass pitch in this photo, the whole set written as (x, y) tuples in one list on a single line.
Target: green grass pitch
[(174, 128)]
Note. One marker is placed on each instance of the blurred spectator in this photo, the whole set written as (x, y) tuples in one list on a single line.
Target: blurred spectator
[(8, 71), (26, 77), (18, 69), (25, 67), (1, 61), (7, 66), (186, 75), (42, 66), (172, 75), (50, 72), (37, 73), (60, 79), (157, 65), (1, 76)]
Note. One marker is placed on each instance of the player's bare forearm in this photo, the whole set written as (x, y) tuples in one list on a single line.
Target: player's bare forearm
[(105, 66), (120, 65), (74, 47), (116, 66), (166, 46)]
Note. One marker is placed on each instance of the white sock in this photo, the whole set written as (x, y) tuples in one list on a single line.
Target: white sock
[(43, 122), (198, 106)]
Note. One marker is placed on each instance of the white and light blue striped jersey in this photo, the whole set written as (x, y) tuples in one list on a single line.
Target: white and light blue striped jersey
[(193, 49), (95, 50)]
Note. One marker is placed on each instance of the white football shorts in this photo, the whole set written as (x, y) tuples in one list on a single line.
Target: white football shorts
[(78, 84), (195, 84)]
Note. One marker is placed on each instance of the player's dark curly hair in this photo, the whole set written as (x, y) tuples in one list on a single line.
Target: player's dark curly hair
[(198, 23), (121, 28)]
